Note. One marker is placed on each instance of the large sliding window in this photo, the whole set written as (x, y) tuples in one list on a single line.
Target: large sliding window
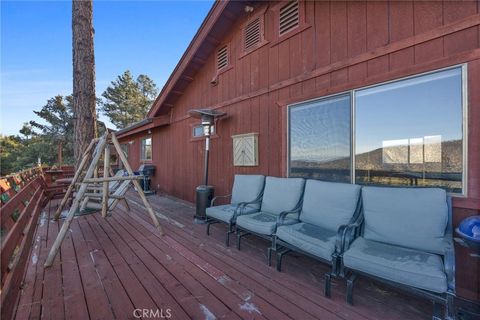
[(405, 133)]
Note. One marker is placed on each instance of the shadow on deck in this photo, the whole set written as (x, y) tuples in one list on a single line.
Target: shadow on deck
[(110, 268)]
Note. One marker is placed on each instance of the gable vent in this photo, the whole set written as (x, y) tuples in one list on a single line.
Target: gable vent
[(222, 57), (289, 17), (252, 34)]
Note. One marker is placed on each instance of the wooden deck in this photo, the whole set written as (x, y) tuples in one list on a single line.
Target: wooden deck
[(109, 267)]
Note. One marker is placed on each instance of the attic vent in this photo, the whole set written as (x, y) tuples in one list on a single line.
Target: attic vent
[(252, 34), (222, 57), (289, 17)]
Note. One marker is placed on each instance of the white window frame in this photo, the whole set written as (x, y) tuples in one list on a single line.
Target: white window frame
[(352, 93), (142, 148), (203, 133)]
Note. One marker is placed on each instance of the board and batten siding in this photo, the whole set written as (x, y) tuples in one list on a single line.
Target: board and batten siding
[(341, 46)]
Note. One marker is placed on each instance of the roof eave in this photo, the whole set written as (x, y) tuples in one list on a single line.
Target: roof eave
[(144, 125), (213, 15)]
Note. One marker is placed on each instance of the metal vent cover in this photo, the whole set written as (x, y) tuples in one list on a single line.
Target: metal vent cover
[(289, 17), (222, 57), (252, 34)]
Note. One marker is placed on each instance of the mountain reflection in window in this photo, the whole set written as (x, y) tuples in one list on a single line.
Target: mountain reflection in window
[(320, 139), (409, 132)]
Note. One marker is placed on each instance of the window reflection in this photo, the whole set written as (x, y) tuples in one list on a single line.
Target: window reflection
[(320, 139), (146, 151), (410, 132)]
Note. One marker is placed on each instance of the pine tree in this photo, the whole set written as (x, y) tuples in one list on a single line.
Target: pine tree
[(59, 125), (127, 100)]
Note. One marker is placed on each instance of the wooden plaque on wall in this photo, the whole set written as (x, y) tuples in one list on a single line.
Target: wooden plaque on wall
[(245, 149)]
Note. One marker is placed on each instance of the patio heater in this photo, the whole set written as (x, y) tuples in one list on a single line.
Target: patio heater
[(204, 192)]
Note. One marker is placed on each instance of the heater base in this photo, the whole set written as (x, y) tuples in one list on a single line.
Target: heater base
[(204, 195), (199, 221)]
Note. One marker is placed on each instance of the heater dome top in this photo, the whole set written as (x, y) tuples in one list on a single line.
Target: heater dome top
[(201, 113)]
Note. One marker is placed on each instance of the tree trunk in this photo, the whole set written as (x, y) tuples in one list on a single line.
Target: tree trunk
[(85, 127)]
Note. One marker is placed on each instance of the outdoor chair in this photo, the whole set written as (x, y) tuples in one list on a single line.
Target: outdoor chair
[(89, 202), (113, 200), (316, 232), (246, 197), (281, 196), (112, 185), (405, 241)]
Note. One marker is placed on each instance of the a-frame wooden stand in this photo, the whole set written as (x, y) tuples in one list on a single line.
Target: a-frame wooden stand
[(88, 179)]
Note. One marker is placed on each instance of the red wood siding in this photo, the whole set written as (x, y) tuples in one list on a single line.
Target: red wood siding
[(344, 45)]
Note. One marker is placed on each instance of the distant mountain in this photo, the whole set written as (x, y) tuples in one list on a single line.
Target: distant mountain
[(451, 156)]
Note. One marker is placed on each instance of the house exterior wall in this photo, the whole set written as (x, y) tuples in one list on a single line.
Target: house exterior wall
[(341, 46)]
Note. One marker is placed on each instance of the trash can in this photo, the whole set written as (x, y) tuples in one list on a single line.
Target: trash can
[(204, 195)]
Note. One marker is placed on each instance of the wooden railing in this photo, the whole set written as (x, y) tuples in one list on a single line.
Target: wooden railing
[(19, 217), (10, 185), (23, 195), (54, 189)]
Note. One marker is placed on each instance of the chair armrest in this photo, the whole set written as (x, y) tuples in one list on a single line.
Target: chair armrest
[(449, 263), (242, 205), (346, 234), (283, 215), (216, 197)]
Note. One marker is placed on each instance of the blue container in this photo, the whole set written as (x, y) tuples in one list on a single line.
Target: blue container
[(469, 230)]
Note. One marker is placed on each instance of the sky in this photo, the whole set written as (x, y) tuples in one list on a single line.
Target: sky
[(397, 113), (145, 37)]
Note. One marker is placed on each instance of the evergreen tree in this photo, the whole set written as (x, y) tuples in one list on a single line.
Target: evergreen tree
[(27, 130), (10, 148), (128, 100), (58, 116)]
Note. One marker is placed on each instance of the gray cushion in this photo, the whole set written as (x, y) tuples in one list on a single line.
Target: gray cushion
[(247, 188), (225, 212), (260, 222), (312, 239), (410, 217), (406, 266), (329, 204), (281, 194)]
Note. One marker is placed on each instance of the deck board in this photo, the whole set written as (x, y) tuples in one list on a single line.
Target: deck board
[(109, 267), (96, 298), (184, 287), (74, 295), (266, 292)]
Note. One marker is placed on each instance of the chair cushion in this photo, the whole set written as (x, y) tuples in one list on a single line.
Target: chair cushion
[(247, 187), (409, 217), (312, 239), (329, 204), (225, 212), (406, 266), (281, 194), (260, 222)]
